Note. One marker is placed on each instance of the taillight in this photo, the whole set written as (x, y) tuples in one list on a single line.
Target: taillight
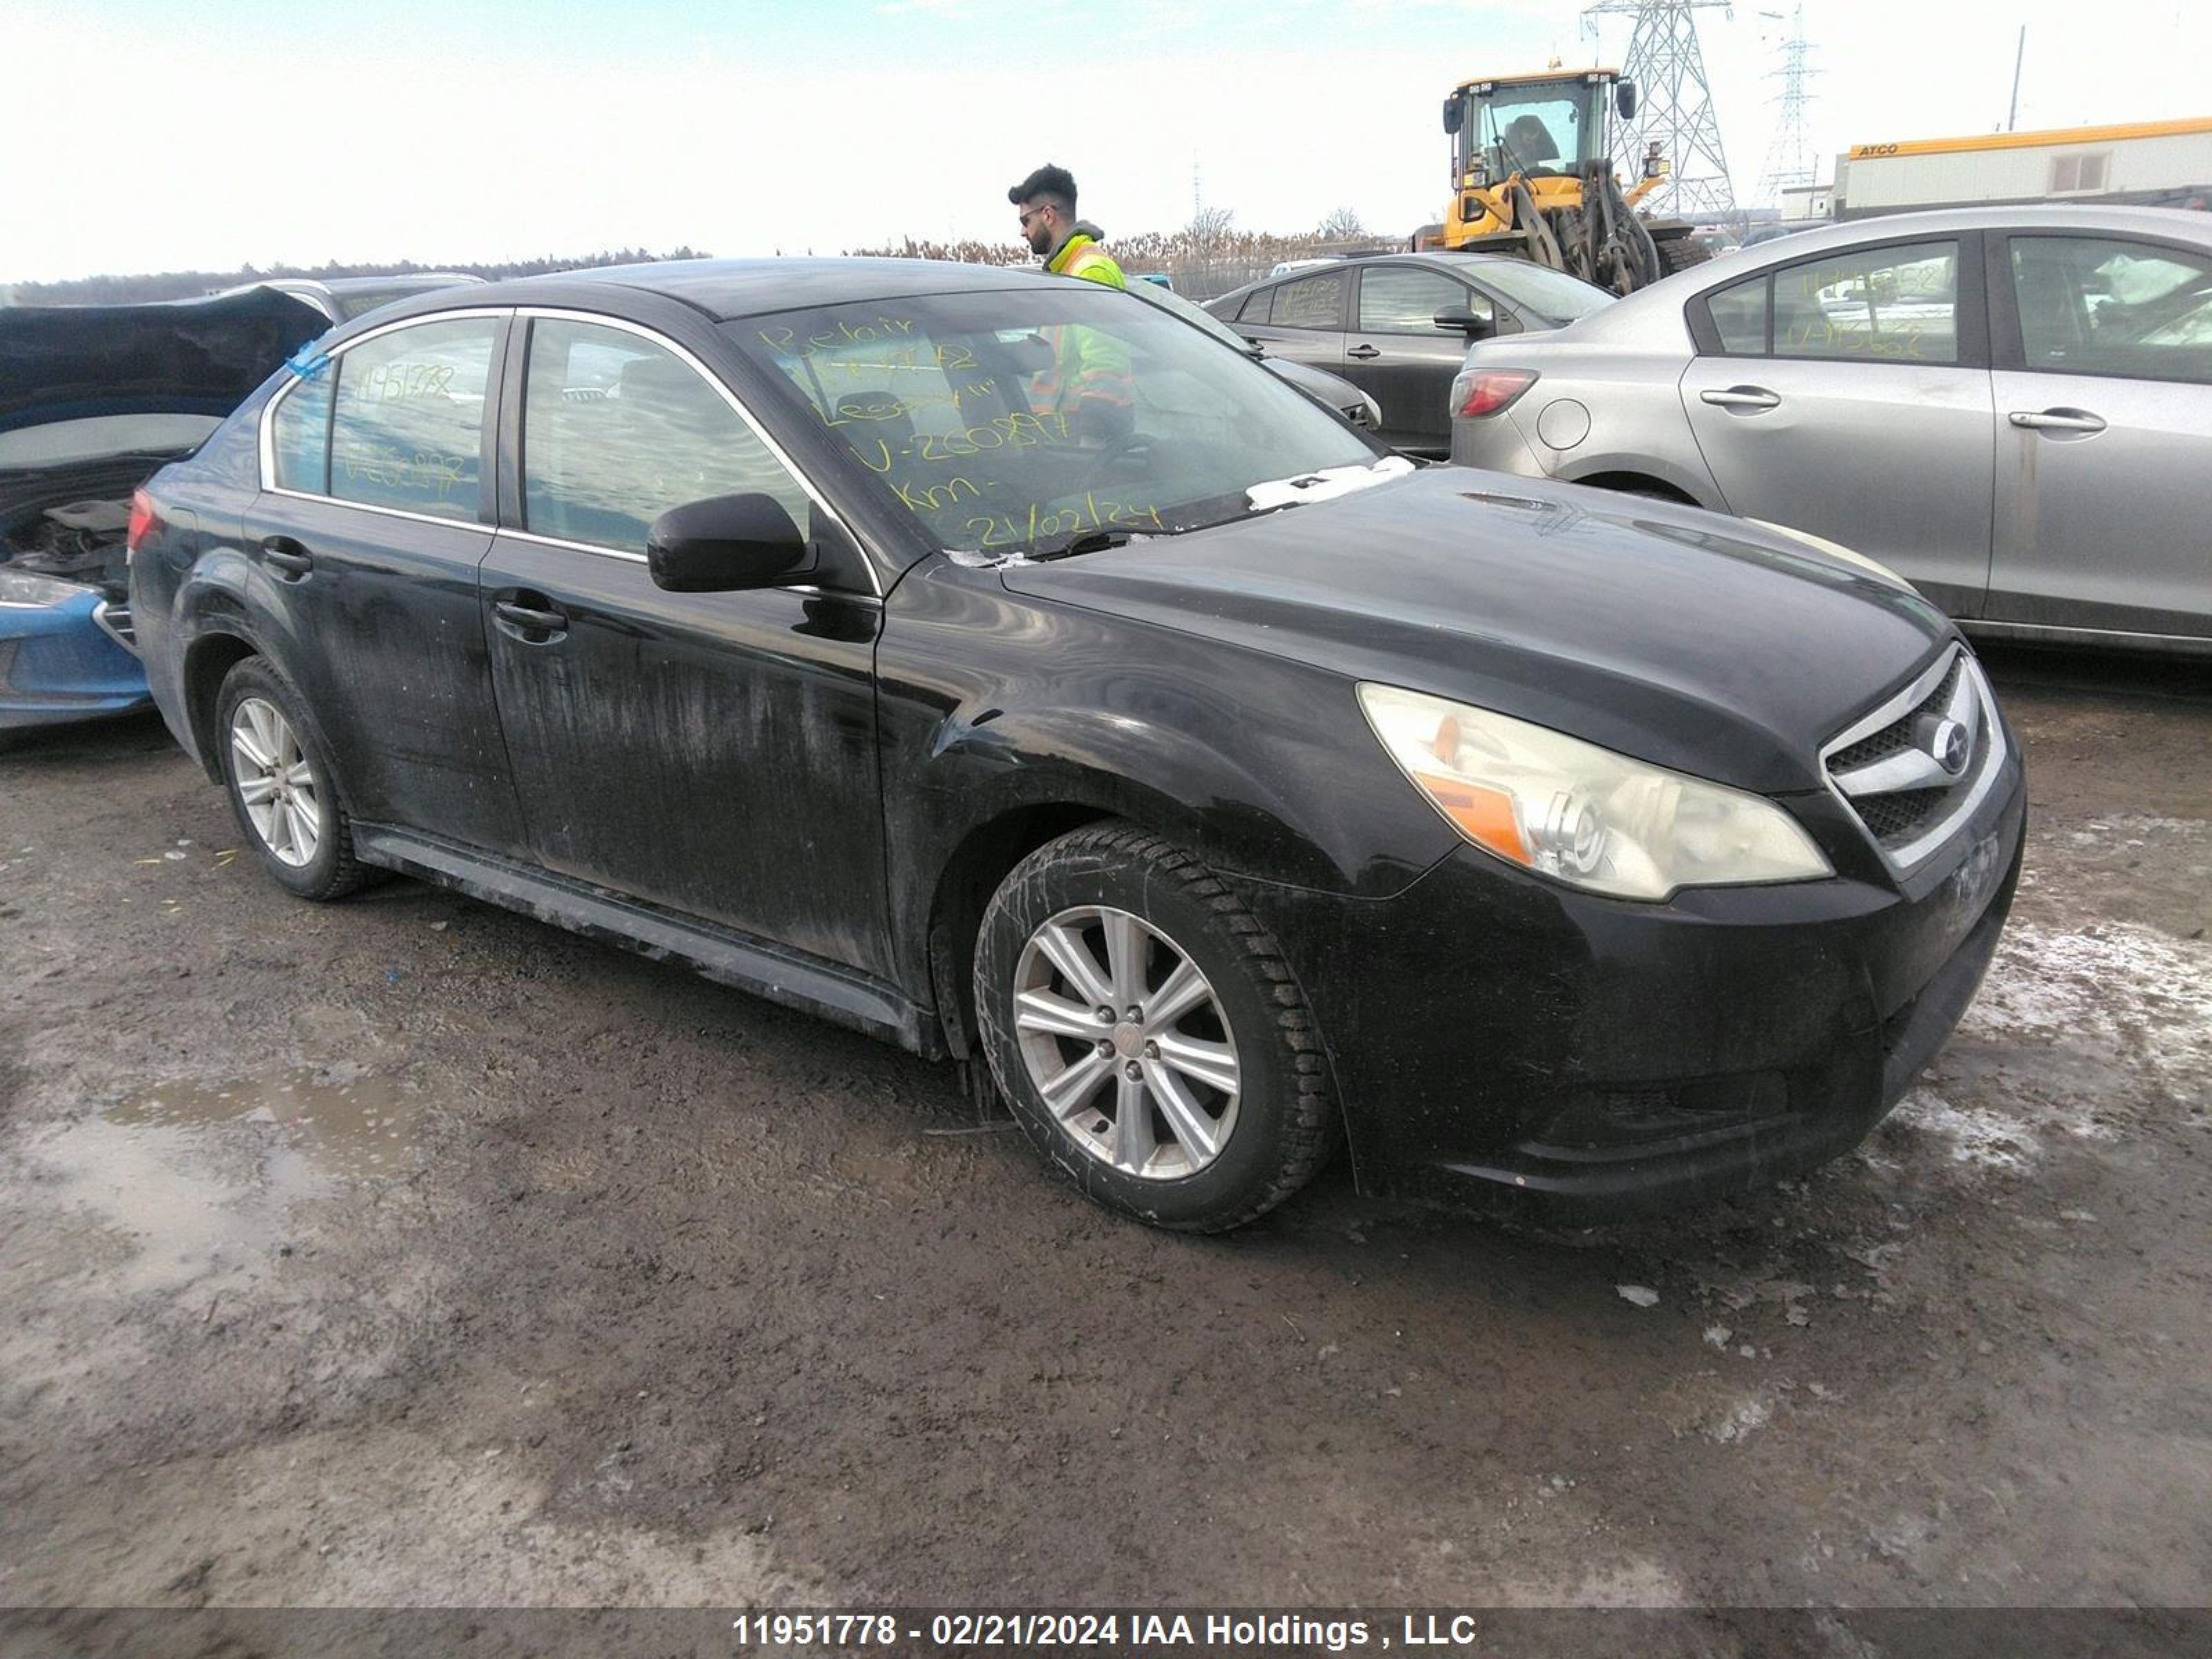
[(1480, 392), (144, 520)]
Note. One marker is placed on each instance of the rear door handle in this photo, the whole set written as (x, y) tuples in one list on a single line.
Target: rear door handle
[(287, 557), (1743, 397), (2056, 419), (530, 618), (1363, 352)]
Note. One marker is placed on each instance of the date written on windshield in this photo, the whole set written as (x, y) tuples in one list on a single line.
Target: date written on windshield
[(1040, 523)]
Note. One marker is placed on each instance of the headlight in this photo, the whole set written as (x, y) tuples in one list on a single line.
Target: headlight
[(23, 587), (1585, 815)]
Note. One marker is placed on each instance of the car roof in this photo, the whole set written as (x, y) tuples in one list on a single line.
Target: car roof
[(1626, 319), (2020, 215), (424, 279), (724, 289)]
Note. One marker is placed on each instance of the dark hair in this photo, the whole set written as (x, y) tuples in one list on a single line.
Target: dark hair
[(1055, 184)]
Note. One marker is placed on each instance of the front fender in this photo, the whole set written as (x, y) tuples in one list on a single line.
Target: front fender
[(998, 705)]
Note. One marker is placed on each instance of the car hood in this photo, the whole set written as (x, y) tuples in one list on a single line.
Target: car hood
[(1681, 637), (191, 357), (1331, 389)]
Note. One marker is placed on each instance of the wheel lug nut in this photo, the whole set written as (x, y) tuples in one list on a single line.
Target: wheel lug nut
[(1151, 1051), (1104, 1046), (1105, 1016), (1136, 1016), (1132, 1071)]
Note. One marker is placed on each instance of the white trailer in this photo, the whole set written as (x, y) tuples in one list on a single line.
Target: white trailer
[(2156, 163)]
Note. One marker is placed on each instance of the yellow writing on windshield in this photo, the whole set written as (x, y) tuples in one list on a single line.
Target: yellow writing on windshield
[(1038, 522)]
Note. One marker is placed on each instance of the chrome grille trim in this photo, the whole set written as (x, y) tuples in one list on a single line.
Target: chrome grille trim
[(114, 621), (1888, 770)]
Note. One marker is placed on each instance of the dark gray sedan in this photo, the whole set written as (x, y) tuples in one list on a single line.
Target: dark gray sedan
[(2012, 407), (1397, 325)]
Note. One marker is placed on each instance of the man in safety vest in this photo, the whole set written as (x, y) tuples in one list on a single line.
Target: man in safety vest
[(1089, 380), (1070, 246)]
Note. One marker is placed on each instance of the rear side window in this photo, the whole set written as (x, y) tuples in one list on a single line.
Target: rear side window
[(1739, 315), (1882, 305), (616, 430), (1406, 301), (1311, 301), (302, 430), (2128, 310), (407, 426)]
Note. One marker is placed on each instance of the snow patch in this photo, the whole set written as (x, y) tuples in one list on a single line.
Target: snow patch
[(2118, 991), (1979, 1135)]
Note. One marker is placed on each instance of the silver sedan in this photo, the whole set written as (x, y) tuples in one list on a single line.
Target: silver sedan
[(2012, 407)]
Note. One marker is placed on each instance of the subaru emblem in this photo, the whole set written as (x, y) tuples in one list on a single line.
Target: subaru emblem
[(1951, 746)]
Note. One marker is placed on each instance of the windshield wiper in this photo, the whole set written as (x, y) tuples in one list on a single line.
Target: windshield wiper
[(1088, 541)]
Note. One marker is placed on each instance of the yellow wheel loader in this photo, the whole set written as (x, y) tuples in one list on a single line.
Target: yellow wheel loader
[(1532, 164)]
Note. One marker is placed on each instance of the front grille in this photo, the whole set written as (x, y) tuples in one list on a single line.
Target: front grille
[(1912, 769), (1897, 734)]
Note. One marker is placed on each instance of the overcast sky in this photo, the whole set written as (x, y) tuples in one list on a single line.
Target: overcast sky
[(208, 133)]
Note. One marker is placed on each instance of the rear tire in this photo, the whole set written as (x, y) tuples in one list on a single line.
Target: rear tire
[(1202, 1100), (1681, 253), (281, 785)]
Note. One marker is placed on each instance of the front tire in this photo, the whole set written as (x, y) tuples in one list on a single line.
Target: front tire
[(280, 784), (1148, 1033)]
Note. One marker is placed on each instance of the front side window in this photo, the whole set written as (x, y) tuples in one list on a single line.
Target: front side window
[(2089, 306), (1406, 301), (407, 424), (1023, 419), (1311, 301), (1882, 305), (617, 430)]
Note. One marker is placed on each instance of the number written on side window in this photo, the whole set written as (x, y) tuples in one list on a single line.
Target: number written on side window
[(1882, 305), (407, 431)]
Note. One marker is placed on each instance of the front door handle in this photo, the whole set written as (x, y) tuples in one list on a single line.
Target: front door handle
[(530, 618), (2056, 419), (285, 556), (1743, 397), (1363, 352)]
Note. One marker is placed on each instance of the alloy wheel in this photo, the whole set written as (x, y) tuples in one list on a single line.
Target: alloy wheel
[(1126, 1042), (274, 782)]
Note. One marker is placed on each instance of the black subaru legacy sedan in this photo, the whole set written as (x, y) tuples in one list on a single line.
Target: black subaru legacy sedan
[(990, 662)]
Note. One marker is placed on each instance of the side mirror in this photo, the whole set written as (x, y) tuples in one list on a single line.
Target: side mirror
[(1624, 99), (1460, 319), (1455, 113), (726, 542)]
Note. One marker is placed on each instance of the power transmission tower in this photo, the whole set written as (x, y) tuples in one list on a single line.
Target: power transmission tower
[(1674, 105), (1789, 158)]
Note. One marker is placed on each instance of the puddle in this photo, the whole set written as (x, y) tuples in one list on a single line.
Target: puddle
[(202, 1178), (341, 1121)]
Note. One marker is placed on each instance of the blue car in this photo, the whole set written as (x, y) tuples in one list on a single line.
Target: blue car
[(94, 400)]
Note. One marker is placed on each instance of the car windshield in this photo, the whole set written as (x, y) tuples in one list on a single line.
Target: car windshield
[(1029, 420), (1190, 312), (1552, 295)]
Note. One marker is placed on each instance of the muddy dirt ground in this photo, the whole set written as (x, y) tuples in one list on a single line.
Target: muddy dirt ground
[(405, 1251)]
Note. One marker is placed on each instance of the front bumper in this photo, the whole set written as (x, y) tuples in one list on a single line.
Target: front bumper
[(1496, 1035), (57, 663)]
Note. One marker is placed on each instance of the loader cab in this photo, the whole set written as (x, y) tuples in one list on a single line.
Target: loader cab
[(1542, 126)]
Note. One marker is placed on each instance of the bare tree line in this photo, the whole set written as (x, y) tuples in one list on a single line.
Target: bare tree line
[(1206, 256), (187, 284)]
